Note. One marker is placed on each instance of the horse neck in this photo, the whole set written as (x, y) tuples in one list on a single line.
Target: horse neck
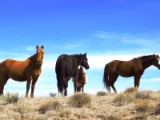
[(33, 62), (146, 62), (78, 59)]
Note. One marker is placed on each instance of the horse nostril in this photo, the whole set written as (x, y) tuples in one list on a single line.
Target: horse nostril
[(39, 61)]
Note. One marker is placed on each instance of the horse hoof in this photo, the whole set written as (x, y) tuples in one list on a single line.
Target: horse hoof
[(32, 96)]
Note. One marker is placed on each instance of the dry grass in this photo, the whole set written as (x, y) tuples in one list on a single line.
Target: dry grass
[(128, 105)]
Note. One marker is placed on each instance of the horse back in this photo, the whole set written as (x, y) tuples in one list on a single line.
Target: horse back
[(14, 69), (125, 68), (66, 64)]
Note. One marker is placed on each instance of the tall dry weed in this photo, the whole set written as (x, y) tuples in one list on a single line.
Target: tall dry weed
[(11, 97)]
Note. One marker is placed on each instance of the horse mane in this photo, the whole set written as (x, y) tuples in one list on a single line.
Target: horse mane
[(76, 55), (144, 57)]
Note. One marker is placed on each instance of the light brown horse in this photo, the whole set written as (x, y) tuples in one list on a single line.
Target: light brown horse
[(82, 79), (134, 67), (27, 70)]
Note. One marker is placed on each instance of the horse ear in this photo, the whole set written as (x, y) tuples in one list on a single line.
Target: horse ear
[(37, 46), (85, 54), (42, 47)]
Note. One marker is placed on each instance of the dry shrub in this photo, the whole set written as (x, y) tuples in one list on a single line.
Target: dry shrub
[(101, 93), (123, 99), (1, 108), (102, 116), (142, 105), (23, 109), (143, 95), (157, 110), (113, 117), (65, 113), (80, 100), (83, 113), (139, 117), (49, 105), (131, 90), (11, 98)]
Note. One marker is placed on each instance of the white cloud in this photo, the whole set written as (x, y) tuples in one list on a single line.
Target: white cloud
[(99, 61), (31, 48), (129, 39), (151, 80)]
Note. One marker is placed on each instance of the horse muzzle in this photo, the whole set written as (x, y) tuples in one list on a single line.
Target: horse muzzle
[(87, 67), (39, 62)]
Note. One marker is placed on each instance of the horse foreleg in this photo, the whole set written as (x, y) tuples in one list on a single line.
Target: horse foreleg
[(75, 89), (33, 86), (82, 88), (75, 83), (137, 81)]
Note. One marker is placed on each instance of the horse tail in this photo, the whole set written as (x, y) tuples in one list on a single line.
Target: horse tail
[(60, 84), (60, 81), (105, 77)]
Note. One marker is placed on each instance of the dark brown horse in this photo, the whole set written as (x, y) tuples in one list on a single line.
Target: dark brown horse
[(134, 67), (66, 68), (81, 80), (28, 70)]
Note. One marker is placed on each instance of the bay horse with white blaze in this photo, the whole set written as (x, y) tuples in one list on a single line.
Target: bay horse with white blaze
[(27, 70), (81, 80), (66, 68), (134, 67)]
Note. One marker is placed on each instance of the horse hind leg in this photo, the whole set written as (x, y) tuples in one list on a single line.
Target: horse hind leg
[(3, 80), (112, 83), (65, 87)]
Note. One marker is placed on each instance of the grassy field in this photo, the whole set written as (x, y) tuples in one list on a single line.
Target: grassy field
[(128, 105)]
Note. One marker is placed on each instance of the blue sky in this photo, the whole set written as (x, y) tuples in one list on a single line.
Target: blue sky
[(105, 29)]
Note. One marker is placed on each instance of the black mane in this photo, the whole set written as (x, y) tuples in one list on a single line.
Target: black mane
[(144, 57)]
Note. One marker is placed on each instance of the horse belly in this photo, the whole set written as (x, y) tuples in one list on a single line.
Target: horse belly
[(125, 73), (17, 76)]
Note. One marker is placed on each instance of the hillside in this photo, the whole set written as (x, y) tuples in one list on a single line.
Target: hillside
[(128, 105)]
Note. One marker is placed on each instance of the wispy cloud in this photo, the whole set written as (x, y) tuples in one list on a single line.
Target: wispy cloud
[(123, 41), (31, 48)]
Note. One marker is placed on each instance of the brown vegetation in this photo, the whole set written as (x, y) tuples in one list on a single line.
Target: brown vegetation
[(128, 105)]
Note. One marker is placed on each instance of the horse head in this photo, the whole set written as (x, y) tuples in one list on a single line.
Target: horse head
[(155, 61), (39, 54), (84, 61)]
